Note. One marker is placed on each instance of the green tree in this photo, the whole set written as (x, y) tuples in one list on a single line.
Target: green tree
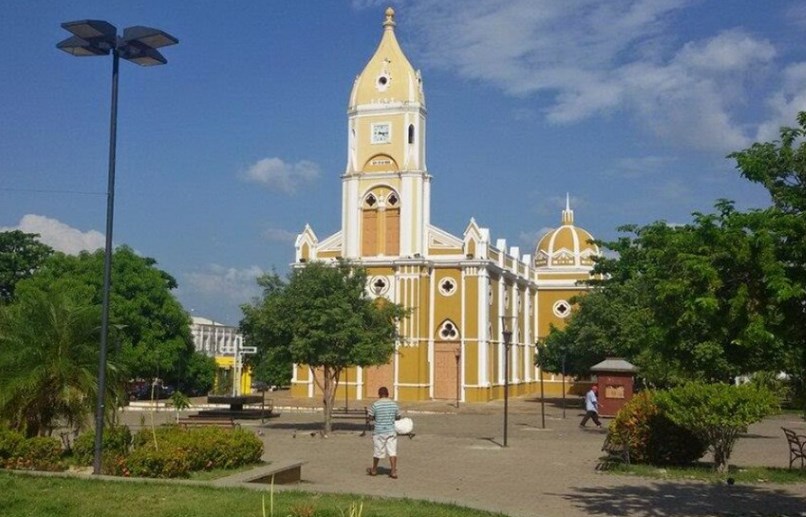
[(49, 359), (716, 413), (322, 317), (690, 302), (20, 255), (780, 166), (154, 338)]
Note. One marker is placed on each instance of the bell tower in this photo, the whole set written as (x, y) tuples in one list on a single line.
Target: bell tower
[(386, 186)]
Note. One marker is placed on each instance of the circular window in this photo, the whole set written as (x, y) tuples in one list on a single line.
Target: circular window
[(447, 286), (383, 82), (561, 309)]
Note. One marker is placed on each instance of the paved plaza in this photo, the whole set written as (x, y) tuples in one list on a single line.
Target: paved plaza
[(456, 457)]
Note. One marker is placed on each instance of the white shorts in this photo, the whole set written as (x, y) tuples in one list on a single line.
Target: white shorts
[(384, 445)]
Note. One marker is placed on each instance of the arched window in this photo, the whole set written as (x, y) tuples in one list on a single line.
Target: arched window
[(411, 133)]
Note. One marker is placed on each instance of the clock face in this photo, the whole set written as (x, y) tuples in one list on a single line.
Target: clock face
[(380, 133)]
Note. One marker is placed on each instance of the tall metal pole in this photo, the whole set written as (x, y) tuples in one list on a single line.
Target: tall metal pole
[(507, 337), (542, 401), (458, 355), (110, 211), (563, 368)]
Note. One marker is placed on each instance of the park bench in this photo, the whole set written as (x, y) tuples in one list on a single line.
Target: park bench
[(614, 452), (225, 423), (797, 447), (344, 413)]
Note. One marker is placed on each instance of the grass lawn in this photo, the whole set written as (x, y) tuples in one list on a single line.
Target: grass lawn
[(34, 496), (705, 472)]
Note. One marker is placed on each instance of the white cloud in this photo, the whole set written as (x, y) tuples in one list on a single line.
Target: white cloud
[(276, 174), (221, 284), (594, 57), (785, 103), (58, 235)]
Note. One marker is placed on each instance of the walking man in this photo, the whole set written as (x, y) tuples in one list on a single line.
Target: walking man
[(384, 412), (591, 407)]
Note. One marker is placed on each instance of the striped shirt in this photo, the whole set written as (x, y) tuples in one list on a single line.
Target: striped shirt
[(384, 411)]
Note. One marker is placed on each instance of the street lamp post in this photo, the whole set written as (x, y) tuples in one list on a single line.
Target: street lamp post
[(563, 371), (507, 341), (138, 45), (458, 355)]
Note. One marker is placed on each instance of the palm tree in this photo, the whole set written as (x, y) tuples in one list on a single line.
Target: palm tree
[(49, 360)]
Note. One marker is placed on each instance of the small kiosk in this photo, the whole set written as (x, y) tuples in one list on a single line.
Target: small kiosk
[(615, 378)]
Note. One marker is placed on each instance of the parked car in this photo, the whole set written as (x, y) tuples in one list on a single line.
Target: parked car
[(142, 390)]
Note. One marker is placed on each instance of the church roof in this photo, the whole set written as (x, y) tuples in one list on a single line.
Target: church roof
[(567, 246), (388, 77)]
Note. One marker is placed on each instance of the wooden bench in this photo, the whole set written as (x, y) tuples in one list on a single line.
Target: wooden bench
[(353, 414), (615, 453), (797, 447), (226, 423)]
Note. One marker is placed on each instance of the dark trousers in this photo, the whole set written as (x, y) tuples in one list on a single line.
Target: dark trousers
[(593, 415)]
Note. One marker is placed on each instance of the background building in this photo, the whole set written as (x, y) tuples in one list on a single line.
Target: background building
[(226, 346), (464, 290)]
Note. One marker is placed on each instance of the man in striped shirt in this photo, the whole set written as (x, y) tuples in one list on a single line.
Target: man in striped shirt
[(384, 412)]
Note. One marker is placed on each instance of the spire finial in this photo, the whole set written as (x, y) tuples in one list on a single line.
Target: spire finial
[(389, 22), (568, 214)]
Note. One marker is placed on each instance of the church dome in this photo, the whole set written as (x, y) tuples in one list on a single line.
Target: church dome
[(567, 246), (388, 77)]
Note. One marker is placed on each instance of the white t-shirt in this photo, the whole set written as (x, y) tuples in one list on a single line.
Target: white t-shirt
[(591, 402)]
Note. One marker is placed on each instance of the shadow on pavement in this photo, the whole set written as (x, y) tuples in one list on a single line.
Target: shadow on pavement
[(679, 500)]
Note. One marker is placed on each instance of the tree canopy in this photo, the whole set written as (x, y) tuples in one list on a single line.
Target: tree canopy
[(154, 330), (49, 360), (20, 255), (718, 297), (322, 317)]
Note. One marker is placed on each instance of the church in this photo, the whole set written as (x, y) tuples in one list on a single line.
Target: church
[(477, 306)]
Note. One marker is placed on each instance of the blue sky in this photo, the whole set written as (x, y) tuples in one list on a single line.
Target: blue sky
[(228, 151)]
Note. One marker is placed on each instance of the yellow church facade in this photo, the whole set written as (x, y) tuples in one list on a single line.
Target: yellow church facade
[(463, 291)]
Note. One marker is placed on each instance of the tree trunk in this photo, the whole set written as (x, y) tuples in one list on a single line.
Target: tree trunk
[(722, 448), (330, 382)]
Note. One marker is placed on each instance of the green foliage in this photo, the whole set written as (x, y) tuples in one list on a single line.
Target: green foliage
[(716, 413), (28, 496), (691, 302), (180, 401), (197, 374), (721, 296), (272, 367), (780, 167), (49, 359), (652, 437), (37, 453), (206, 448), (20, 256), (323, 317), (152, 330), (9, 442), (116, 442), (166, 462)]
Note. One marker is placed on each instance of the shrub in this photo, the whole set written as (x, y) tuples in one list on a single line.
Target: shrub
[(37, 453), (166, 462), (9, 442), (717, 413), (206, 448), (652, 437), (116, 441)]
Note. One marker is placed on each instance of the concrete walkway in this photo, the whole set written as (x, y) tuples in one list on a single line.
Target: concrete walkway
[(457, 457)]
